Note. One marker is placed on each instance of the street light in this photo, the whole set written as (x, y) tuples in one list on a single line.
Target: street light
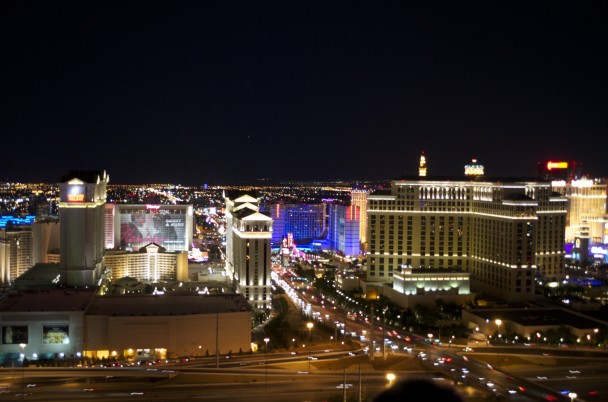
[(266, 342), (309, 326), (266, 365), (498, 321), (572, 396), (22, 346), (390, 377)]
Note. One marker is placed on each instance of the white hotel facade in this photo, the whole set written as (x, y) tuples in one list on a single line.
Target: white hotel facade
[(502, 232), (248, 252)]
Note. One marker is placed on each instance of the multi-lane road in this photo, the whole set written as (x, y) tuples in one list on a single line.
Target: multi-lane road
[(550, 374), (285, 378)]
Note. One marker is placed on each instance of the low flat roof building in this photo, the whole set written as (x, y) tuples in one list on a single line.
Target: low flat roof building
[(66, 323), (50, 322), (527, 322), (163, 326)]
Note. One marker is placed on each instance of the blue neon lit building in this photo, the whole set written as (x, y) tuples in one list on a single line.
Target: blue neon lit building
[(304, 221), (344, 227)]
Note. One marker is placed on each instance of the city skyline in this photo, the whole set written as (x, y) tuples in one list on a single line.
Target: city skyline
[(226, 93)]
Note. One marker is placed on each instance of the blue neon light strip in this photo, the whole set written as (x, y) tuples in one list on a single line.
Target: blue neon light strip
[(16, 220)]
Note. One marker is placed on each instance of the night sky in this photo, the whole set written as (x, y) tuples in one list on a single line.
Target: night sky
[(227, 92)]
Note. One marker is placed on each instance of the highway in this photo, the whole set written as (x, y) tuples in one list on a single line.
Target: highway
[(289, 377), (246, 378), (122, 384), (556, 373)]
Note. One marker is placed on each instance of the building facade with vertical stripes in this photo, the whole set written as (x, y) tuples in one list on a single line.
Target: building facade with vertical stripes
[(343, 233), (358, 197)]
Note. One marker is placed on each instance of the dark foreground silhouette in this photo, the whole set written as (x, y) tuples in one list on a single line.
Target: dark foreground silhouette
[(419, 389)]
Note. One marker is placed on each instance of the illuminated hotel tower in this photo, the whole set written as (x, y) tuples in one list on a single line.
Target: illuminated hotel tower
[(343, 233), (358, 198), (16, 247), (422, 166), (502, 232), (473, 168), (587, 211), (81, 217), (303, 221), (248, 237)]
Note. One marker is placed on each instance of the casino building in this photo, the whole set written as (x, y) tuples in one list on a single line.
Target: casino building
[(151, 263), (502, 231), (248, 259), (343, 232), (59, 310), (69, 323), (16, 247), (304, 222), (81, 206)]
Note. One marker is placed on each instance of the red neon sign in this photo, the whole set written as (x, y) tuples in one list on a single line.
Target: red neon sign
[(75, 197)]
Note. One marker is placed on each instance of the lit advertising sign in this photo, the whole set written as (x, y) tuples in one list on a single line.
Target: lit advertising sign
[(14, 334), (153, 226), (76, 194), (55, 334), (557, 165)]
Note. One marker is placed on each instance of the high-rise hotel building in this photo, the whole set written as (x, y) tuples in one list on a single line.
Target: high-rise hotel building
[(248, 254), (358, 198), (587, 209), (304, 222), (502, 232), (343, 233), (16, 247), (81, 216)]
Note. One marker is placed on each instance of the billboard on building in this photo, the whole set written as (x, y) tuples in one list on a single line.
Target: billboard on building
[(14, 334), (55, 334), (139, 228), (76, 193)]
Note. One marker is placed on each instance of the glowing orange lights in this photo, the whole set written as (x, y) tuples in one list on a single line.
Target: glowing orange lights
[(75, 197), (557, 165)]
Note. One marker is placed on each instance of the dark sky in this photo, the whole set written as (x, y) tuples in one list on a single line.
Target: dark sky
[(224, 92)]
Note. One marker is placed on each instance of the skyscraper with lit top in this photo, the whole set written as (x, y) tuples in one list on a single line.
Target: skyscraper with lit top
[(82, 202), (474, 168), (422, 165)]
